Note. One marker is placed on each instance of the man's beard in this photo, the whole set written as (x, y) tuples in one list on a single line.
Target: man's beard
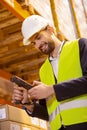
[(49, 49)]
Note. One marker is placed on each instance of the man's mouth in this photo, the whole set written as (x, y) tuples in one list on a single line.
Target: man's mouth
[(43, 47)]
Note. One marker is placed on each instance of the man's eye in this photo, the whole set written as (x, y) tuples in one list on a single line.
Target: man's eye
[(38, 37)]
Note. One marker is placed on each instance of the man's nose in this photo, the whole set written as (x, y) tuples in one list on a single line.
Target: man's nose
[(37, 44)]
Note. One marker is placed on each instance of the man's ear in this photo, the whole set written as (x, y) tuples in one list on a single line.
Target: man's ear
[(50, 29)]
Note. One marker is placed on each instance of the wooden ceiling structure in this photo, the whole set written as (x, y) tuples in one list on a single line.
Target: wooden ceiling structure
[(23, 61), (68, 17)]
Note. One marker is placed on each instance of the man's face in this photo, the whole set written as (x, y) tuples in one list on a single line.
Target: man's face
[(43, 41)]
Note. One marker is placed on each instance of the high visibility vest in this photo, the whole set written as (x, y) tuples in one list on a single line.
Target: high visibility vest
[(73, 110)]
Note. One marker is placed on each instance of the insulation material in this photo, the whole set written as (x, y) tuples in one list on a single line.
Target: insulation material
[(65, 19), (85, 7), (81, 13), (43, 8)]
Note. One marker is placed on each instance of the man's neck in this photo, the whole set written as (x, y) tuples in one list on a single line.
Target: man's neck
[(54, 54)]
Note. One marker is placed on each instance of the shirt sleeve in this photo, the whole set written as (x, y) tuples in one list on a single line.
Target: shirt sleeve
[(39, 111), (78, 86)]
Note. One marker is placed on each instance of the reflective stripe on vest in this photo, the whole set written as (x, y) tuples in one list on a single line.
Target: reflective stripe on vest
[(68, 105)]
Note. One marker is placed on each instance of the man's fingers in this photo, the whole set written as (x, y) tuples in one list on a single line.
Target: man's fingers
[(36, 83)]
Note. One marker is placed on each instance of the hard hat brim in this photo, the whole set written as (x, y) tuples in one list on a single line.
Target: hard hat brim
[(26, 42)]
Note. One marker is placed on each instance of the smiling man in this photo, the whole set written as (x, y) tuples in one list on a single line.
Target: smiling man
[(62, 92)]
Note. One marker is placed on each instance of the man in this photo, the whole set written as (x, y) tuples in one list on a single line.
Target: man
[(62, 92)]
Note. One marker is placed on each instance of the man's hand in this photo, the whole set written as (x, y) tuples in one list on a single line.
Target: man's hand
[(40, 90), (19, 94)]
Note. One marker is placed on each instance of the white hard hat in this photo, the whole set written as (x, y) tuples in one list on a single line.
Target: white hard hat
[(32, 25)]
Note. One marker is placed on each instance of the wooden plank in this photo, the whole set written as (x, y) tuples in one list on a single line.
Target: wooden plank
[(22, 55), (4, 15), (9, 22), (15, 8), (12, 39), (25, 64)]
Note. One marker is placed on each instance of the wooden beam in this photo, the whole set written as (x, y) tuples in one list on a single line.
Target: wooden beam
[(25, 64), (11, 39), (15, 8), (21, 55)]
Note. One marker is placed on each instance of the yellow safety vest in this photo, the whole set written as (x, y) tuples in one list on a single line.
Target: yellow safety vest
[(71, 111)]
